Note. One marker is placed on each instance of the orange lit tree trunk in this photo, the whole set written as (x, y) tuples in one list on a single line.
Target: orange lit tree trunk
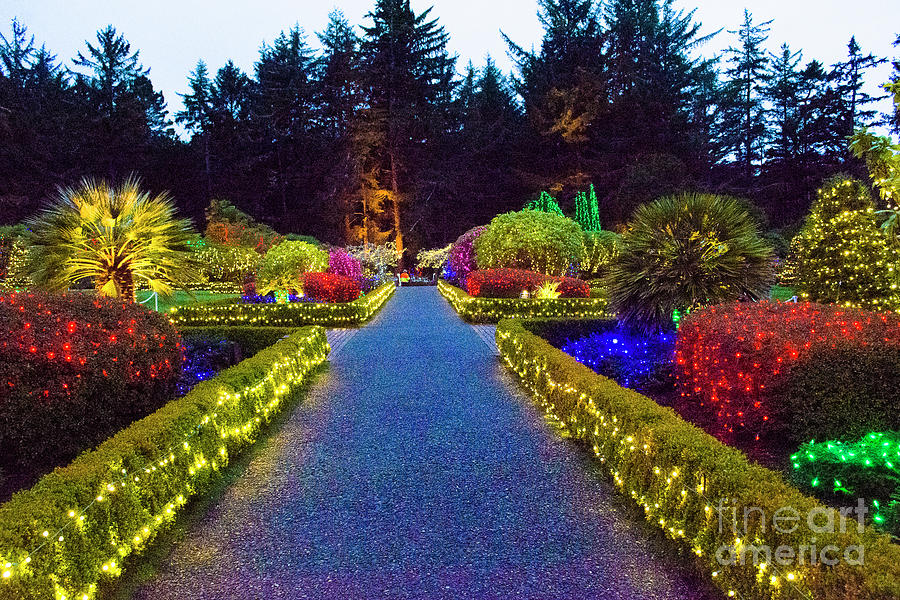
[(395, 202)]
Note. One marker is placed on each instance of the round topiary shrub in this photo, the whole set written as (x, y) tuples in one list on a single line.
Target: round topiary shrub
[(340, 262), (284, 265), (537, 241), (329, 287), (461, 260), (684, 252), (76, 369), (842, 255)]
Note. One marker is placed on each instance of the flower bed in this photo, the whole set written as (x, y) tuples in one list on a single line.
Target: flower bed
[(77, 524), (492, 310), (679, 475), (236, 313)]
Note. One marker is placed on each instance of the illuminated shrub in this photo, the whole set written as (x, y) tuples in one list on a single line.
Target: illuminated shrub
[(340, 262), (13, 254), (537, 241), (804, 371), (600, 250), (866, 468), (329, 287), (510, 283), (75, 369), (229, 226), (376, 259), (229, 264), (433, 260), (284, 265), (842, 255), (685, 252), (119, 237), (462, 260)]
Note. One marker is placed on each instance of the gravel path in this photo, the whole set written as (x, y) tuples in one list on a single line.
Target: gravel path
[(415, 469)]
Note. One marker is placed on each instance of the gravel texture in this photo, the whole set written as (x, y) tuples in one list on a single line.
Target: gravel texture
[(416, 469)]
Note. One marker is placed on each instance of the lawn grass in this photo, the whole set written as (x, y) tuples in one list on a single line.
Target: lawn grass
[(181, 298), (782, 293)]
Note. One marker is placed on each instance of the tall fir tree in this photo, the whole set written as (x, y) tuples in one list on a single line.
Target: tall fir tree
[(745, 117), (197, 115), (407, 78), (853, 105)]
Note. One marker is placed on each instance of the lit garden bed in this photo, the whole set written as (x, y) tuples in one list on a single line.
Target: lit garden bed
[(293, 314), (492, 310)]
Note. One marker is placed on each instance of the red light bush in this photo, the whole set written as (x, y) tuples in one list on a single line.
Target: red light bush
[(330, 287), (510, 283), (76, 369), (800, 371)]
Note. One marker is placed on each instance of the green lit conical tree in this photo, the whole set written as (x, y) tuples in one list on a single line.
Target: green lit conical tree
[(587, 211)]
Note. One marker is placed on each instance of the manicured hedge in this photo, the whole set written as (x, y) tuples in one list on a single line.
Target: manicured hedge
[(492, 310), (807, 371), (677, 473), (78, 524), (74, 370), (510, 283), (296, 314)]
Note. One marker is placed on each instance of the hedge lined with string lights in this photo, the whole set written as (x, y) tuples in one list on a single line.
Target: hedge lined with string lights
[(78, 524), (492, 310), (678, 473), (227, 313)]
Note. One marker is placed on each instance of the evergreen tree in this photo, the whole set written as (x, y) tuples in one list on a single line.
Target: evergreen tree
[(197, 114), (407, 80), (746, 76), (284, 107), (894, 88), (852, 102), (340, 95)]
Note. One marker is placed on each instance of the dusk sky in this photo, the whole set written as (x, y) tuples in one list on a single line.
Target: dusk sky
[(172, 36)]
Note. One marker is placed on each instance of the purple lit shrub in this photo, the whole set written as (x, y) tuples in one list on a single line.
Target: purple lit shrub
[(340, 262), (462, 255)]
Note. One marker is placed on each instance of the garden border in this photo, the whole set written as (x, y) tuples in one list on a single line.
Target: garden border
[(493, 310), (672, 469), (78, 524), (226, 313)]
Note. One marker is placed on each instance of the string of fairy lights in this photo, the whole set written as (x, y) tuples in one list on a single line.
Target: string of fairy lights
[(535, 375), (284, 375), (492, 310)]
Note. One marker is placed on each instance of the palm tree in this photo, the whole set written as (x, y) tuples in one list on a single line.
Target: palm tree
[(115, 236)]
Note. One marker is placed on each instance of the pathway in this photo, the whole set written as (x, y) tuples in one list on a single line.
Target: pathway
[(416, 469)]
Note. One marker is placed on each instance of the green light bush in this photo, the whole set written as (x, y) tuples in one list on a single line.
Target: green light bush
[(532, 240), (226, 264), (684, 252), (284, 265)]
